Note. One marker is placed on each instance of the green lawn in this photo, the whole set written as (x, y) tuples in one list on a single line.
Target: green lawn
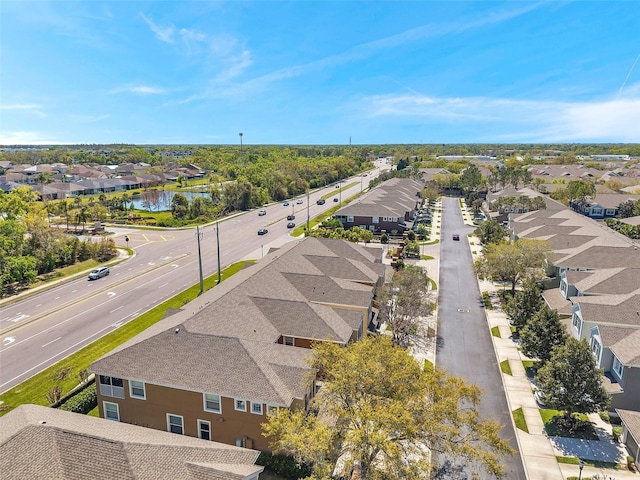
[(553, 428), (519, 420), (65, 372), (590, 463), (505, 367), (529, 367), (495, 331)]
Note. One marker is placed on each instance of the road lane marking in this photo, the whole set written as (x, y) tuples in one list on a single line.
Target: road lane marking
[(18, 317), (111, 294), (8, 341), (164, 285), (46, 344), (116, 309)]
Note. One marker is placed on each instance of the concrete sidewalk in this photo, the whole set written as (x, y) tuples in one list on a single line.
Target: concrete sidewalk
[(538, 450)]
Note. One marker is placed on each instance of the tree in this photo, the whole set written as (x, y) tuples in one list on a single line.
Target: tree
[(570, 380), (389, 416), (404, 301), (471, 179), (524, 304), (490, 232), (514, 261), (179, 206), (542, 333)]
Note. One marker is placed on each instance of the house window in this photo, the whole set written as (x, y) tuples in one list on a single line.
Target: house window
[(204, 430), (136, 389), (577, 322), (596, 348), (375, 220), (256, 408), (288, 341), (175, 424), (618, 367), (111, 386), (349, 218), (111, 411), (240, 405), (212, 403), (272, 409)]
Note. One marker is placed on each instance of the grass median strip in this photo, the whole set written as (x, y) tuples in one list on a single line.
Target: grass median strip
[(505, 367), (66, 373), (519, 420)]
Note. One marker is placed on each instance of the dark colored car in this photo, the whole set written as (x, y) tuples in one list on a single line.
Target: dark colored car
[(335, 199), (456, 236), (291, 217), (285, 204), (320, 202), (263, 231), (99, 273), (291, 225)]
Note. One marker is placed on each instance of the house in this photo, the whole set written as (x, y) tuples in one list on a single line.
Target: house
[(603, 206), (46, 443), (598, 278), (218, 367), (388, 207), (631, 432)]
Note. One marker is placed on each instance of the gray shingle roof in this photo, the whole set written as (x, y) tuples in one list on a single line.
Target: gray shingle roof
[(393, 198), (44, 443), (631, 420)]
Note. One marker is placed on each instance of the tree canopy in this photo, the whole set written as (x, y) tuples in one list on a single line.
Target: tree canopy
[(524, 304), (514, 261), (542, 333), (381, 415), (570, 380)]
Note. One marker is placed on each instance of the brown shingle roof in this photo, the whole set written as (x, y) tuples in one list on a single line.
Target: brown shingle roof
[(44, 443)]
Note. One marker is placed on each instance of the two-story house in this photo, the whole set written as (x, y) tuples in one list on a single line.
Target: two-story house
[(216, 369)]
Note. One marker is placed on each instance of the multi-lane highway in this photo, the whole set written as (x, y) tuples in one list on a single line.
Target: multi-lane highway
[(47, 326)]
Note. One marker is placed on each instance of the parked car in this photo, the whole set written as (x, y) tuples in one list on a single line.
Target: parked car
[(540, 397), (291, 225), (285, 204), (291, 217), (299, 201), (262, 212), (320, 202), (99, 273), (263, 231), (456, 236)]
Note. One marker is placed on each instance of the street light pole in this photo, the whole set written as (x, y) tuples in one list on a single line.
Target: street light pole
[(200, 260), (240, 142), (218, 242), (581, 465)]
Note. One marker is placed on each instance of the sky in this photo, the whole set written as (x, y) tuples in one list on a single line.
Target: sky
[(319, 72)]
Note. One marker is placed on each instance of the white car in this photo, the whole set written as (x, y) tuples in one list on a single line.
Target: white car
[(99, 273)]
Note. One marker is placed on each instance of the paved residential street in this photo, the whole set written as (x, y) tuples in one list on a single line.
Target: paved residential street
[(464, 346)]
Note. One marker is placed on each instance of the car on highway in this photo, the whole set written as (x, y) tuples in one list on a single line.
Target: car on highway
[(99, 273), (262, 212), (335, 199), (456, 236), (320, 202), (291, 217), (299, 202), (291, 225), (285, 204), (263, 231)]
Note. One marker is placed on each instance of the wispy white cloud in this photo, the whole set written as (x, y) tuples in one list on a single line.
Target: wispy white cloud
[(369, 49), (29, 107), (521, 120), (164, 34), (27, 138), (140, 90)]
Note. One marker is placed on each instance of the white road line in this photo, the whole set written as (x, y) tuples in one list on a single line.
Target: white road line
[(51, 342), (116, 309), (164, 285)]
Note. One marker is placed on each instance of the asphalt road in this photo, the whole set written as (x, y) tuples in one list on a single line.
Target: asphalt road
[(45, 327), (464, 345)]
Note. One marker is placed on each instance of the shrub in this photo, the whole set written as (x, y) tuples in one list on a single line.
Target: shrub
[(616, 433), (605, 416), (487, 300), (630, 464), (83, 402), (283, 465), (54, 394)]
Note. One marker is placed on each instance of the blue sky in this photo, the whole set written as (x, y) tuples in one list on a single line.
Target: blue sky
[(197, 72)]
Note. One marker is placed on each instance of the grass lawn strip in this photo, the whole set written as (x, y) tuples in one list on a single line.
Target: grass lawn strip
[(34, 389), (519, 420), (589, 463), (495, 331), (529, 368), (505, 367), (584, 432)]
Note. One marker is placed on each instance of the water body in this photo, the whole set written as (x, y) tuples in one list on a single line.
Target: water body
[(160, 200)]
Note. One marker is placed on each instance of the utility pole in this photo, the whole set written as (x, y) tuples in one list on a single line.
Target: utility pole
[(240, 142), (308, 215), (218, 243), (198, 235)]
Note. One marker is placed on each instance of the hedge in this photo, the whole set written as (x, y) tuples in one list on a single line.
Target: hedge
[(83, 402), (283, 465)]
